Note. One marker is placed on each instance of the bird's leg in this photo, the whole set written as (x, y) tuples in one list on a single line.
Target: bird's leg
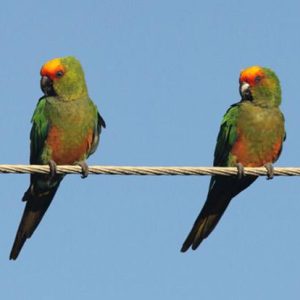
[(84, 169), (53, 168), (240, 170), (270, 170)]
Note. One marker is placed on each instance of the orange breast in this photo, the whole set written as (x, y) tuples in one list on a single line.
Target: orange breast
[(70, 149), (254, 155)]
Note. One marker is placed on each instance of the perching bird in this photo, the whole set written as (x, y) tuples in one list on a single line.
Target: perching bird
[(65, 130), (251, 135)]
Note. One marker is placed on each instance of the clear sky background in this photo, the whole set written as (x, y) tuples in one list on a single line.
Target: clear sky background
[(162, 73)]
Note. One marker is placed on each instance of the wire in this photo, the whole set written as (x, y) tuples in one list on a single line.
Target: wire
[(146, 170)]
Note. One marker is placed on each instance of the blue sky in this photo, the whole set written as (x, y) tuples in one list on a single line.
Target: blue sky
[(163, 74)]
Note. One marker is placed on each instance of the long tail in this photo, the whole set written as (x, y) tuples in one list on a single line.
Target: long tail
[(36, 206), (221, 191)]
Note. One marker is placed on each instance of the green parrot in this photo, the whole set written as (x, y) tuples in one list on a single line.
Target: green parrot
[(251, 135), (66, 126)]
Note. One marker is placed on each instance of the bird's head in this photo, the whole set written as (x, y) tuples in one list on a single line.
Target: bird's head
[(261, 86), (63, 78)]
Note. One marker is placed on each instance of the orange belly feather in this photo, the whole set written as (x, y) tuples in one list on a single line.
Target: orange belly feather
[(68, 152), (247, 157)]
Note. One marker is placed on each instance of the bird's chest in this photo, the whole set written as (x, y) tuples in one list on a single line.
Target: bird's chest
[(259, 137), (70, 137)]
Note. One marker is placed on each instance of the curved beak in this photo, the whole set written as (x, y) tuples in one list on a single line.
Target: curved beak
[(245, 91), (47, 86)]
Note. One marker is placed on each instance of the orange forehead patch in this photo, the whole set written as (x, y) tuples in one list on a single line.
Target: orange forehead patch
[(248, 75), (51, 67)]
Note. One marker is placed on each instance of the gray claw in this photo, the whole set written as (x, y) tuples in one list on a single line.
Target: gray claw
[(53, 168), (270, 170), (240, 170), (84, 169)]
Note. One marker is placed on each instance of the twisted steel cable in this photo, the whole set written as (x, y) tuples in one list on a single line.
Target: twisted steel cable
[(147, 170)]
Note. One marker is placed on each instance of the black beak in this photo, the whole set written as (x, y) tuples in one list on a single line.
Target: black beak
[(47, 86)]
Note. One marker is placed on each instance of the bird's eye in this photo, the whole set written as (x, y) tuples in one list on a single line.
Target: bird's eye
[(59, 74), (258, 79)]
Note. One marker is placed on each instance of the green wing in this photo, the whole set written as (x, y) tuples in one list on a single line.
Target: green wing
[(39, 132), (99, 124), (227, 136), (222, 188)]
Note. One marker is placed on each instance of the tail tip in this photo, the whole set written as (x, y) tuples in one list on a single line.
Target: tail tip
[(14, 254), (191, 244), (184, 248), (18, 245)]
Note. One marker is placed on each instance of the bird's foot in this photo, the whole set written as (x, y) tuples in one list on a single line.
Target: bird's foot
[(53, 168), (84, 169), (240, 170), (270, 170)]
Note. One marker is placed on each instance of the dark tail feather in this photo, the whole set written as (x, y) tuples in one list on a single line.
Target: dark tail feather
[(35, 208), (204, 225), (222, 190)]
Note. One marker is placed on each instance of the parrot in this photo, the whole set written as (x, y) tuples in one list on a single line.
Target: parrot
[(251, 134), (66, 127)]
